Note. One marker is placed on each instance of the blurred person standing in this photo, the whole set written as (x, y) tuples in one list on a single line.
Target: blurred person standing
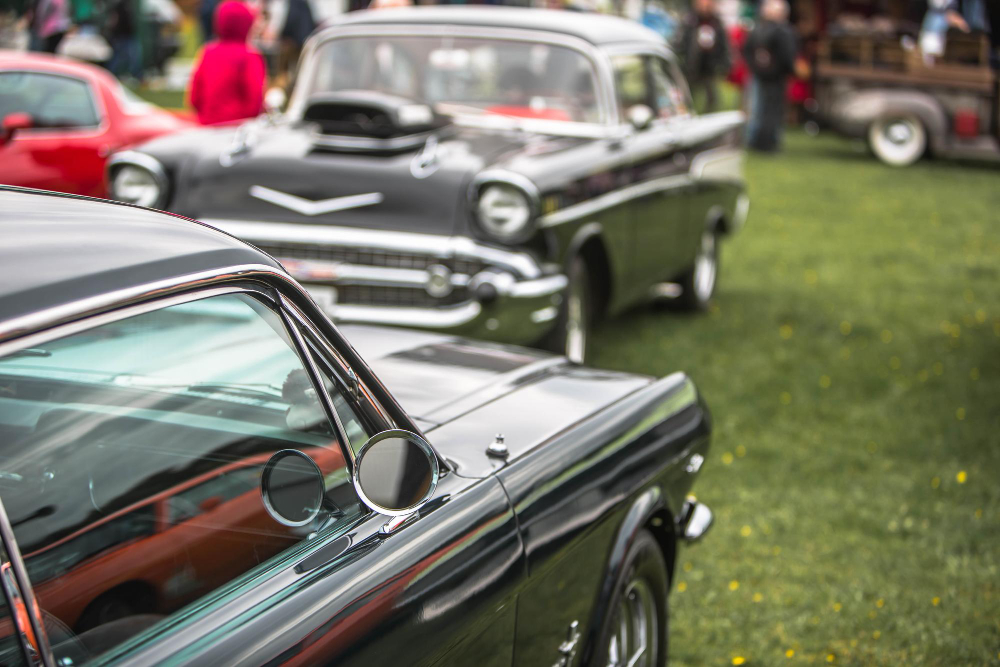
[(47, 22), (296, 28), (769, 52), (228, 81), (123, 37), (704, 46)]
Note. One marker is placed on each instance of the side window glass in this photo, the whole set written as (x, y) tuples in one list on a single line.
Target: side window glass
[(130, 461), (631, 82), (51, 101), (669, 98)]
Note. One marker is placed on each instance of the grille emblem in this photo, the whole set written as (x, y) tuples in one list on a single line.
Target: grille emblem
[(312, 208)]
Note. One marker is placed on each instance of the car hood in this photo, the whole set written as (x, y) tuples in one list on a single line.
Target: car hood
[(286, 176), (462, 392)]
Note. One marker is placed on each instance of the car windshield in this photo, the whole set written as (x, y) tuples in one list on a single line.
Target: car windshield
[(462, 76)]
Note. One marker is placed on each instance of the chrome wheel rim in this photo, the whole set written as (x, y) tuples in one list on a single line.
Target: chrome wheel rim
[(705, 268), (634, 627), (576, 327)]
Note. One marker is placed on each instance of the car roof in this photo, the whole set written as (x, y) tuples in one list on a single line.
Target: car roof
[(50, 63), (59, 250), (594, 28)]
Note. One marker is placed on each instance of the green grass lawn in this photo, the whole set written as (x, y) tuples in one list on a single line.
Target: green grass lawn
[(851, 363)]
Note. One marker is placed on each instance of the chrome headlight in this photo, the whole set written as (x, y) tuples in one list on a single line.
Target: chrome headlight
[(505, 212), (137, 178), (135, 185)]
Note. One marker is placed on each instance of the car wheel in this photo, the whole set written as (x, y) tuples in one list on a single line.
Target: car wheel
[(698, 282), (635, 630), (571, 334), (898, 140)]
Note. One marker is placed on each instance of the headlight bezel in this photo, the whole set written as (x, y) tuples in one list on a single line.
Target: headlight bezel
[(146, 163), (513, 184)]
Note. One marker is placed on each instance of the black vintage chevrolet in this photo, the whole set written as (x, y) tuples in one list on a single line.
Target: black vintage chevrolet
[(198, 467), (504, 173)]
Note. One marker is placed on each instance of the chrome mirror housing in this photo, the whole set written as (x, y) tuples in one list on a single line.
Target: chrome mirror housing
[(640, 116), (396, 472)]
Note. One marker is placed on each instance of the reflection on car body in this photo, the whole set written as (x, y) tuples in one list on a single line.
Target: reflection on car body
[(508, 174)]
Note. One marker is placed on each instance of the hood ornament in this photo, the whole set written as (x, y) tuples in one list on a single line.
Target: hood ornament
[(313, 208)]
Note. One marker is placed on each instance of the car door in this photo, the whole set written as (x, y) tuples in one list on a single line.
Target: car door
[(65, 148), (129, 493), (660, 186)]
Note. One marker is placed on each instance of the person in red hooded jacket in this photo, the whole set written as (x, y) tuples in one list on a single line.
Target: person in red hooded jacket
[(228, 81)]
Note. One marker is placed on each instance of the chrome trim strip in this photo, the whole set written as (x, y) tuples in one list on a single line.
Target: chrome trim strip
[(321, 271), (614, 198), (721, 164), (344, 142), (404, 242), (425, 318), (94, 305), (318, 384), (319, 207), (143, 161)]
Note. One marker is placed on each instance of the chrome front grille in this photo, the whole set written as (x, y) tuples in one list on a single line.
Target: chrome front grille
[(365, 257), (379, 295)]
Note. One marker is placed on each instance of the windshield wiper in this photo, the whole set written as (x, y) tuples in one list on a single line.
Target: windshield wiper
[(235, 390)]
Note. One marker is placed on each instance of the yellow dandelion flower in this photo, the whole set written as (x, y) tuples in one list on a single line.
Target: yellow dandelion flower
[(785, 398), (979, 513), (739, 660), (776, 551), (790, 653), (935, 482), (960, 414), (745, 531), (886, 336), (757, 597), (830, 657), (974, 374), (872, 614), (741, 451), (845, 328), (961, 477), (980, 315), (682, 586), (733, 585), (876, 634), (785, 331), (727, 458), (854, 643), (935, 601), (688, 566), (880, 603), (824, 381), (837, 606)]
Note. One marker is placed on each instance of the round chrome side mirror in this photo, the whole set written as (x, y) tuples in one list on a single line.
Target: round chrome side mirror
[(274, 100), (292, 487), (396, 472), (640, 116)]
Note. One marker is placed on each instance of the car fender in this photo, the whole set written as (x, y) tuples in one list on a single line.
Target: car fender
[(856, 111), (643, 508)]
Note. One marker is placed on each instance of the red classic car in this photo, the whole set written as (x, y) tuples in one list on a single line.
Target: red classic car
[(60, 119)]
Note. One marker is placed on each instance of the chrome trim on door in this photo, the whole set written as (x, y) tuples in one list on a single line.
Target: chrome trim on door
[(614, 198)]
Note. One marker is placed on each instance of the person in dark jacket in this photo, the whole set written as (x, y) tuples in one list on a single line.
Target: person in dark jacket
[(770, 55), (704, 46)]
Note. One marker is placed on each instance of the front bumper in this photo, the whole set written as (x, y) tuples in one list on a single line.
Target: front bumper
[(422, 281)]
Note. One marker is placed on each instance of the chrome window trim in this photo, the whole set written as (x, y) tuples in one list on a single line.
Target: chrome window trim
[(26, 592), (15, 331), (433, 245), (143, 161), (596, 55)]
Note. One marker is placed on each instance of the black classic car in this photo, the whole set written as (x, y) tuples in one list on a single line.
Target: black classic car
[(509, 174), (197, 466)]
